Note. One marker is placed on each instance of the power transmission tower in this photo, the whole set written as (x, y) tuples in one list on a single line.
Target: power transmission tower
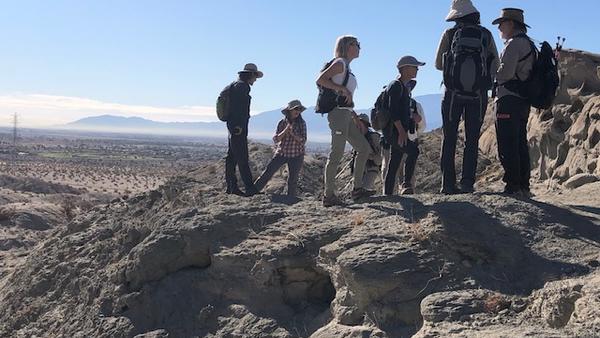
[(15, 125)]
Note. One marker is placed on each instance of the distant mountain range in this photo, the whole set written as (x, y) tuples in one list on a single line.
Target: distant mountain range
[(261, 126)]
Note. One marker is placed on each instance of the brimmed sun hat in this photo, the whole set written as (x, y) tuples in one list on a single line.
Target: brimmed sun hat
[(514, 14), (251, 68), (460, 8), (293, 105)]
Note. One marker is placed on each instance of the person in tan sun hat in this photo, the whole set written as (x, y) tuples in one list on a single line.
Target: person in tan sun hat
[(290, 141), (468, 71), (512, 109), (460, 9), (238, 116)]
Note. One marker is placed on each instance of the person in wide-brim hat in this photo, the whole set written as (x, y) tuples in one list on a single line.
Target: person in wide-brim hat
[(512, 14), (294, 104), (251, 68), (290, 147)]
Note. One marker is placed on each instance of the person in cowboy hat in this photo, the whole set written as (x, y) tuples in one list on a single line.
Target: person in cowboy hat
[(290, 141), (237, 126), (373, 166), (417, 127), (465, 96), (512, 109), (396, 134)]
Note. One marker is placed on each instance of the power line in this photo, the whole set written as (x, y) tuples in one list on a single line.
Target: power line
[(15, 129)]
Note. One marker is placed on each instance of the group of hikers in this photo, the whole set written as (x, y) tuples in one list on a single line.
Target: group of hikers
[(471, 67)]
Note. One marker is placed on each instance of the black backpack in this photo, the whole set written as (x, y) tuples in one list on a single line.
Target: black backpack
[(380, 114), (328, 99), (466, 67), (541, 87)]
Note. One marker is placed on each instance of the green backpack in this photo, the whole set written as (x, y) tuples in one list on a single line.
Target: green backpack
[(223, 103)]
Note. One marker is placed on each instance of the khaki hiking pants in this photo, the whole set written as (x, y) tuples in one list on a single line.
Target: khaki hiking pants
[(343, 129)]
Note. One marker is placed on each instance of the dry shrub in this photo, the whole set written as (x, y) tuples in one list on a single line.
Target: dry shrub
[(358, 219), (495, 303), (68, 208), (418, 232)]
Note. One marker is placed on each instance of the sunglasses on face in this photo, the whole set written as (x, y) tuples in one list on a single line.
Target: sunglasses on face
[(357, 44)]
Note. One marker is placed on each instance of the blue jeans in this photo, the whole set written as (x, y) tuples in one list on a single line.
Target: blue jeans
[(294, 165)]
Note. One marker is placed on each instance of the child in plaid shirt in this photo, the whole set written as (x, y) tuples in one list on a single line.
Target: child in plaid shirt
[(290, 140)]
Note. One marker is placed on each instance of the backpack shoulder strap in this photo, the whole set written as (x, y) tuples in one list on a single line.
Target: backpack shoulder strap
[(533, 48), (347, 77)]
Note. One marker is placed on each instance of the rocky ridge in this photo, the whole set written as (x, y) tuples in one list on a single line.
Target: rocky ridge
[(186, 260)]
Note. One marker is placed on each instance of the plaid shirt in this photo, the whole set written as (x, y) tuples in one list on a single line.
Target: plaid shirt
[(289, 146)]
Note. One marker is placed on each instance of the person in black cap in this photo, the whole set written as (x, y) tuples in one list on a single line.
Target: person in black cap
[(512, 109), (396, 134), (237, 125), (468, 57)]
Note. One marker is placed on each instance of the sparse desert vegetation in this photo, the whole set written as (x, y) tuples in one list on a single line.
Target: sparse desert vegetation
[(51, 179), (102, 165)]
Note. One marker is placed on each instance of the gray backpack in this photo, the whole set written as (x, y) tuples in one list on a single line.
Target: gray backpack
[(466, 63)]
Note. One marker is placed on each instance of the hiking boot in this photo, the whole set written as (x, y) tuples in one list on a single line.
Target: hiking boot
[(252, 192), (467, 189), (526, 193), (235, 191), (452, 190), (512, 191), (329, 201), (361, 193)]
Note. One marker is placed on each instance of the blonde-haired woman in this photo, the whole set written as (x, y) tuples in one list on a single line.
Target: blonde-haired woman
[(343, 120)]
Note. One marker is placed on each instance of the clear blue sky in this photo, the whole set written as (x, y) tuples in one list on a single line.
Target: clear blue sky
[(176, 54)]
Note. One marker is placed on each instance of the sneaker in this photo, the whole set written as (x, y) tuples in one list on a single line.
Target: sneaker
[(329, 201), (452, 190), (360, 193)]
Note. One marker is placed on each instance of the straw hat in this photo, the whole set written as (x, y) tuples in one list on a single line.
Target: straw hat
[(513, 14), (460, 8)]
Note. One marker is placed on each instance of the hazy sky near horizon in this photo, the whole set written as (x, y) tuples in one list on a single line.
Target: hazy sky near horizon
[(167, 60)]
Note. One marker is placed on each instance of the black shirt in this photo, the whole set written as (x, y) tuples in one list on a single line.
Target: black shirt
[(239, 104), (399, 103)]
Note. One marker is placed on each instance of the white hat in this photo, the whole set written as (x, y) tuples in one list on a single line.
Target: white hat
[(460, 8)]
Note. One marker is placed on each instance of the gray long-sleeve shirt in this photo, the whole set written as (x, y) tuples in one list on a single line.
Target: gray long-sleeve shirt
[(510, 67)]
